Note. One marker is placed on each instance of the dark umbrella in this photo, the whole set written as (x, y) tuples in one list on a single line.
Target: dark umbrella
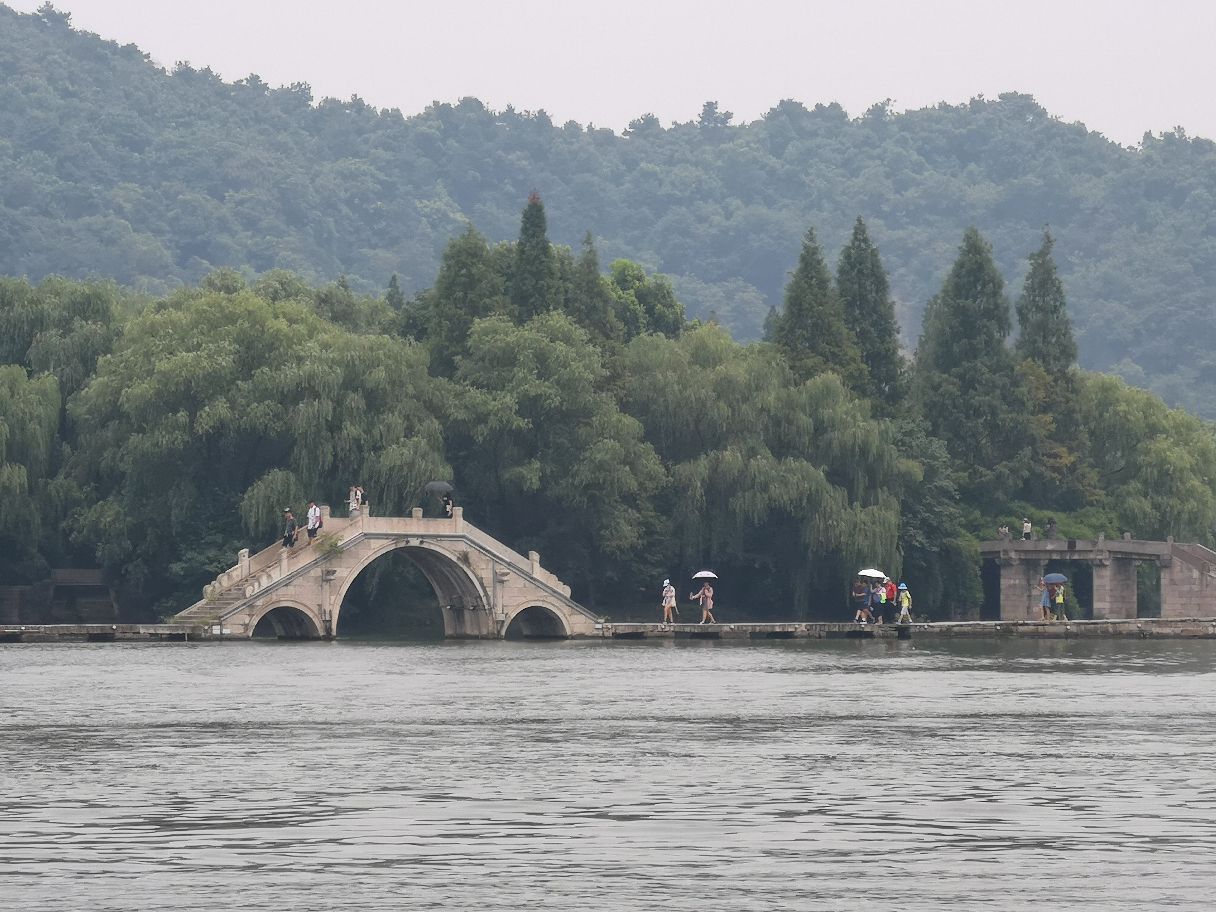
[(1055, 578), (439, 487)]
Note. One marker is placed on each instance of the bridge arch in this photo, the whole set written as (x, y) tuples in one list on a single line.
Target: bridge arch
[(286, 619), (461, 596), (537, 620)]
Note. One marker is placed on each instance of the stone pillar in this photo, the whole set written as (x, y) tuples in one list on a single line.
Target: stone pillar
[(242, 563), (1020, 588), (458, 518), (416, 513), (1115, 589), (534, 560), (1185, 591)]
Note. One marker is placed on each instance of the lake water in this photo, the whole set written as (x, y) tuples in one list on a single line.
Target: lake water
[(594, 776)]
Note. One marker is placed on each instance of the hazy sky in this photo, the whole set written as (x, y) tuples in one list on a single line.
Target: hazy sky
[(1119, 66)]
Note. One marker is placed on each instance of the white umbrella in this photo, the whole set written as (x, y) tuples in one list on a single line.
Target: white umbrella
[(871, 573), (705, 574)]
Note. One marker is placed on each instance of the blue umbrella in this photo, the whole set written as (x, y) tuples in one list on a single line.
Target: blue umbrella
[(1055, 578)]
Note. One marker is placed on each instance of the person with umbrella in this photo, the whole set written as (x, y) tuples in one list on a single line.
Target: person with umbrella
[(442, 490), (705, 595), (1044, 600), (1055, 597)]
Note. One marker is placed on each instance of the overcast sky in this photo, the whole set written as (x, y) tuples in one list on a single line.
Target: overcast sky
[(1119, 66)]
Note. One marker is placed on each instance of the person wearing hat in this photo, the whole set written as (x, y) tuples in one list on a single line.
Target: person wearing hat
[(903, 598), (289, 528), (669, 602)]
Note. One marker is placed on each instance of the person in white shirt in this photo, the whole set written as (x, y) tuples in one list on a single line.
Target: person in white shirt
[(314, 520), (669, 602)]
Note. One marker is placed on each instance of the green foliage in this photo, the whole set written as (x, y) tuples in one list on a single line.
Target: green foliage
[(1045, 332), (156, 176), (535, 285), (869, 314), (29, 418), (811, 330), (967, 384)]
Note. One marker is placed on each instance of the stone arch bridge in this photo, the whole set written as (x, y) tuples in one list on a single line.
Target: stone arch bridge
[(484, 588)]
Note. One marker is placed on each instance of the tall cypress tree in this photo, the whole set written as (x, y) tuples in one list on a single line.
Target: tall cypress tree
[(811, 331), (590, 303), (967, 382), (393, 296), (869, 313), (535, 288), (1045, 332), (1049, 352)]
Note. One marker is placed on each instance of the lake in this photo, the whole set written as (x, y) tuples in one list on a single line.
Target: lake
[(608, 776)]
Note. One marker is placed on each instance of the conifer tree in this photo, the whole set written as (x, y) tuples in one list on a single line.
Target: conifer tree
[(1049, 353), (1045, 331), (869, 313), (535, 288), (967, 382), (393, 296), (811, 331), (591, 304)]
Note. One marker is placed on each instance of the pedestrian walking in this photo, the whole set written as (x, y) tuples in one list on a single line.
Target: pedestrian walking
[(904, 600), (878, 598), (1061, 608), (668, 602), (860, 597), (289, 529), (705, 595), (314, 521), (1027, 529)]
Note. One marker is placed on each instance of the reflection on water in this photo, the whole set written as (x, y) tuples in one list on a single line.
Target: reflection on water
[(682, 776)]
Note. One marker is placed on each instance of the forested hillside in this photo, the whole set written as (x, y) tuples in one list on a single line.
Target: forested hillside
[(113, 166)]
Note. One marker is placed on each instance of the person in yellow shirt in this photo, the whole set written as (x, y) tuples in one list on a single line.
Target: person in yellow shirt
[(903, 598)]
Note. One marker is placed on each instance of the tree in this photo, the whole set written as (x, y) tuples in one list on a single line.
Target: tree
[(968, 387), (215, 406), (534, 281), (781, 486), (811, 331), (541, 446), (869, 314), (644, 304), (393, 296), (469, 286), (29, 420), (591, 304), (1045, 332)]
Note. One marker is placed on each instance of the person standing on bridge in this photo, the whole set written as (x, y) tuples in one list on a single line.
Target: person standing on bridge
[(705, 595), (668, 602), (1027, 529)]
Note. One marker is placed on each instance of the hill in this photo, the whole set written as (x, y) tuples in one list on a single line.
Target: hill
[(114, 166)]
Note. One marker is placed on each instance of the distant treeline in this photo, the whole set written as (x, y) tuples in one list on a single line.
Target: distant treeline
[(115, 167), (581, 414)]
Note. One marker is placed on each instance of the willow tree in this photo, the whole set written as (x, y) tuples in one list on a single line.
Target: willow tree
[(29, 421), (783, 487), (215, 406)]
